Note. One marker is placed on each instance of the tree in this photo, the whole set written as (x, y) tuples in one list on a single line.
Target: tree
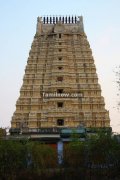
[(12, 158), (43, 156), (104, 153), (2, 132)]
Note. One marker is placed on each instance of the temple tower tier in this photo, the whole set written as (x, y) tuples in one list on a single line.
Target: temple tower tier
[(60, 87)]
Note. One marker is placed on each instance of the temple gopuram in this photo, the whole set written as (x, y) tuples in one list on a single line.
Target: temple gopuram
[(60, 89)]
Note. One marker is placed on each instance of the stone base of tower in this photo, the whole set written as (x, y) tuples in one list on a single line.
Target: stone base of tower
[(61, 132)]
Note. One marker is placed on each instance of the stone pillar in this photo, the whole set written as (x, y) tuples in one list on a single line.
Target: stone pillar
[(39, 25)]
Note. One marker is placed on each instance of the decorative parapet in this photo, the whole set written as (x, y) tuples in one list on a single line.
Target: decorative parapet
[(60, 24), (58, 19)]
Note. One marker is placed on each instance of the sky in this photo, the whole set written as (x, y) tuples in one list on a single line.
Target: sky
[(18, 20)]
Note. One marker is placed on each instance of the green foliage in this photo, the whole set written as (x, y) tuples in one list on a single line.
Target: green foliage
[(102, 148), (74, 154), (96, 157), (2, 132), (43, 156), (21, 156), (12, 157)]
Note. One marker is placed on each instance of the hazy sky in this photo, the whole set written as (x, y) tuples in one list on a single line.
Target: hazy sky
[(17, 28)]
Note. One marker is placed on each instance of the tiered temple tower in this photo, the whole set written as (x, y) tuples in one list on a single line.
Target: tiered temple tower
[(60, 86)]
